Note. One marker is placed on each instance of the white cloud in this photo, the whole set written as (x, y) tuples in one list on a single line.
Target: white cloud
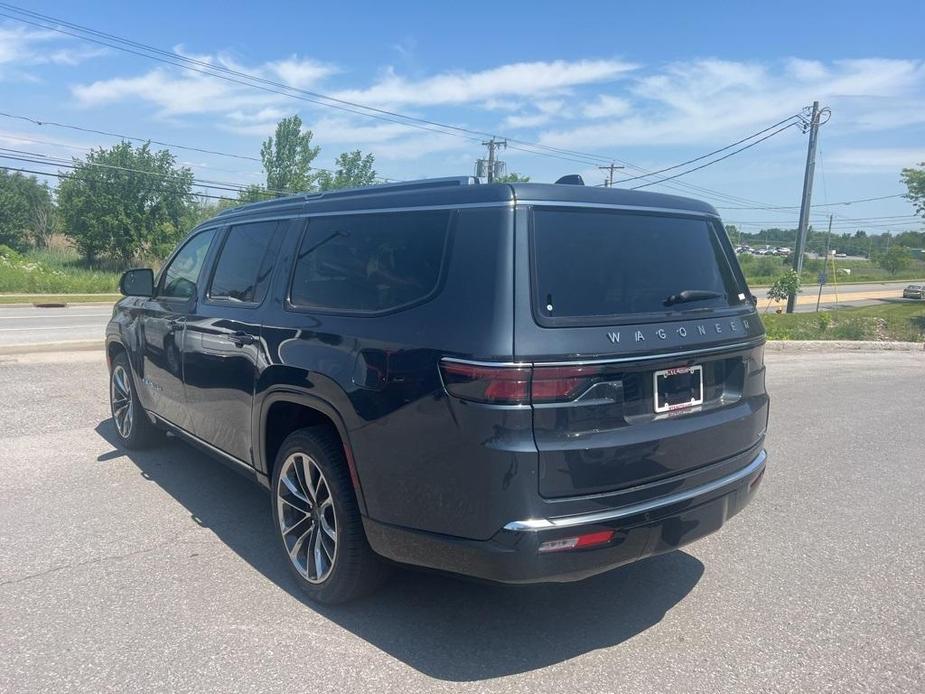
[(715, 100), (864, 159), (513, 80), (301, 72), (21, 47), (177, 92), (605, 107)]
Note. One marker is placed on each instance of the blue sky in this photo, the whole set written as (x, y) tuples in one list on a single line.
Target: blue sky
[(652, 84)]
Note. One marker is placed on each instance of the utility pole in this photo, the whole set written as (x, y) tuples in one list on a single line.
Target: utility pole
[(493, 145), (807, 199), (611, 168), (825, 262)]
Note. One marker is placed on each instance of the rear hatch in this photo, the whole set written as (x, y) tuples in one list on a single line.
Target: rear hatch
[(647, 352)]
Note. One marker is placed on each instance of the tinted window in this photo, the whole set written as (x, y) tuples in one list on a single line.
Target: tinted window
[(245, 263), (179, 279), (596, 264), (370, 262)]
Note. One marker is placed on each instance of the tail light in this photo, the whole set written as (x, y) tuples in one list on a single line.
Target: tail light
[(517, 385)]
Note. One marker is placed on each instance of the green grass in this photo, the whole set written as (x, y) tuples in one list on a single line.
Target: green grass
[(895, 320), (763, 270), (52, 272), (58, 298)]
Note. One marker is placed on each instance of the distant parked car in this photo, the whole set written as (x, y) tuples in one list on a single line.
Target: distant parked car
[(914, 291), (841, 255)]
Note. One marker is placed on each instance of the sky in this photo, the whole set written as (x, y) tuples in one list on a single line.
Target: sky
[(649, 84)]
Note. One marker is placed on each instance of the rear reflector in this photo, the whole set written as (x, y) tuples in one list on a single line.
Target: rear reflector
[(579, 542), (517, 385)]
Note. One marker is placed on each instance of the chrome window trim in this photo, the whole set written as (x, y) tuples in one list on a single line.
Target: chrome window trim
[(617, 206), (534, 524)]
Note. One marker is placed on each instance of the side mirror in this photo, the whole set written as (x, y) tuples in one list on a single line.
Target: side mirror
[(137, 282), (753, 300)]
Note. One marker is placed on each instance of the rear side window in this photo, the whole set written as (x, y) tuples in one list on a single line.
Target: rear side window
[(371, 262), (596, 266), (245, 263)]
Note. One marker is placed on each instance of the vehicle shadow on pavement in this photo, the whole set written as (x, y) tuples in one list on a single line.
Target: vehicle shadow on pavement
[(445, 627)]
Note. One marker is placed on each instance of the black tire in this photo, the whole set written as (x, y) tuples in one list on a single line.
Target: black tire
[(353, 569), (140, 432)]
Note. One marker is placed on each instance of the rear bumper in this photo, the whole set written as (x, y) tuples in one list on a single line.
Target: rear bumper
[(641, 530)]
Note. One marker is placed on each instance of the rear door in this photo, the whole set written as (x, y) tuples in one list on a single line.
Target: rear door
[(163, 325), (223, 345), (647, 350)]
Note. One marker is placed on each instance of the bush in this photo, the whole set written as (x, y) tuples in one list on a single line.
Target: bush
[(767, 266), (32, 274)]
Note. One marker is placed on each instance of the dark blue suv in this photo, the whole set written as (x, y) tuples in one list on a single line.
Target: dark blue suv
[(519, 382)]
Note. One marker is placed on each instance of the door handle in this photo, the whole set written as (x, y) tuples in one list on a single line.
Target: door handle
[(242, 338)]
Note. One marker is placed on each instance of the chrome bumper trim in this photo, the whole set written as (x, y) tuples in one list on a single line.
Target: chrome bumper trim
[(653, 504)]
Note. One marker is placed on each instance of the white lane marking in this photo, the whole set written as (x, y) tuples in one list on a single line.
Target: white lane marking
[(50, 327)]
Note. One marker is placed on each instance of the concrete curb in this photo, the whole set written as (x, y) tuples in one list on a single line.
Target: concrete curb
[(65, 346), (842, 346)]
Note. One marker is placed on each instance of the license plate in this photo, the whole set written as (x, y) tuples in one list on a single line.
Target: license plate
[(678, 389)]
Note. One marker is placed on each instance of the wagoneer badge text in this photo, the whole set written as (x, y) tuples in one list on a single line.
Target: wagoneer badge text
[(720, 327)]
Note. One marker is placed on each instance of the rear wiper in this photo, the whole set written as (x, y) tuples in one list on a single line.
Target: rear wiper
[(691, 295)]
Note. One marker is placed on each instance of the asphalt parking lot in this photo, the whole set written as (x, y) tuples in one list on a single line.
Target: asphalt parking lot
[(157, 571)]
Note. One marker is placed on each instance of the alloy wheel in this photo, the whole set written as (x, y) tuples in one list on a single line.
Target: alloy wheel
[(120, 395), (307, 521)]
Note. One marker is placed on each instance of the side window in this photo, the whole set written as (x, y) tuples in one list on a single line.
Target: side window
[(245, 263), (371, 262), (178, 280)]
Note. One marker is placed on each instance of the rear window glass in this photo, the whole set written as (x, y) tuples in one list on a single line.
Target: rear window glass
[(371, 262), (593, 265)]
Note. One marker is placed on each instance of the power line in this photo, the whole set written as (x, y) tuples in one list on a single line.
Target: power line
[(714, 161), (825, 204), (59, 175), (132, 138), (37, 158), (231, 75), (715, 151)]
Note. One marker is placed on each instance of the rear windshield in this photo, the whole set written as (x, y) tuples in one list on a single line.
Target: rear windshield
[(592, 266)]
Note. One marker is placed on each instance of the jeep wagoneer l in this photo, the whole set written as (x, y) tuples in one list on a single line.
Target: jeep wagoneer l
[(519, 383)]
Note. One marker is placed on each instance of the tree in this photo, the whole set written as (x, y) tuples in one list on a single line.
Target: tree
[(732, 231), (287, 157), (354, 169), (786, 284), (123, 202), (915, 182), (894, 259), (26, 211), (512, 177)]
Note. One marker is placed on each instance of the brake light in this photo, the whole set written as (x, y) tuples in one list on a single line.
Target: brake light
[(565, 544), (500, 385), (517, 385), (559, 383)]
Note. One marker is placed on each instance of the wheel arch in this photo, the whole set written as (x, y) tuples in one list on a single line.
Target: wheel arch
[(298, 409)]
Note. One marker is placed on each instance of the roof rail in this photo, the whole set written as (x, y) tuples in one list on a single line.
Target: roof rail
[(420, 184)]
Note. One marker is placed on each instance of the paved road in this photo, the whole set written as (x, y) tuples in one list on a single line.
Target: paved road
[(33, 325), (157, 571), (21, 325), (864, 294)]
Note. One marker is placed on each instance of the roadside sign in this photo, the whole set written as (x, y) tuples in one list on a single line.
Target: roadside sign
[(822, 278)]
